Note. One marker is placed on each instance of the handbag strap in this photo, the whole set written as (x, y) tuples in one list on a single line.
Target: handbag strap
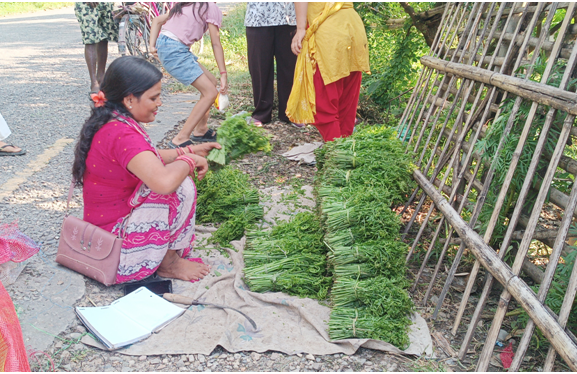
[(70, 193)]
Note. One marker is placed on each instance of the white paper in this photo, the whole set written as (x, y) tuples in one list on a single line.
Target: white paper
[(147, 309), (111, 325)]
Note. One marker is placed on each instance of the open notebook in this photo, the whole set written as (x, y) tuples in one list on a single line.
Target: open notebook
[(129, 319)]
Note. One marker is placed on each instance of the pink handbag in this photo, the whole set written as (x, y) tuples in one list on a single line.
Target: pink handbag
[(88, 249)]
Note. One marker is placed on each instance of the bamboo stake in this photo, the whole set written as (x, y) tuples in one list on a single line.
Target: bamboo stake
[(437, 169), (460, 175), (432, 51), (486, 185), (563, 315), (568, 216), (513, 284), (524, 246), (437, 94)]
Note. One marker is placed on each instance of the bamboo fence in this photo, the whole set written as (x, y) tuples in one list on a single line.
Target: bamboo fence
[(515, 62)]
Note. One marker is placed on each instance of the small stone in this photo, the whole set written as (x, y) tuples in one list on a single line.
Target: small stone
[(65, 356), (155, 361), (58, 344), (434, 299), (362, 360), (108, 368), (274, 356), (191, 358), (160, 367), (201, 358), (269, 364), (78, 347), (67, 367), (207, 370), (369, 363), (127, 369), (165, 361), (74, 335), (310, 357), (81, 329), (142, 358), (230, 358), (299, 355), (255, 356), (392, 367), (131, 362), (180, 364), (237, 356), (223, 356), (317, 366), (318, 359), (502, 335)]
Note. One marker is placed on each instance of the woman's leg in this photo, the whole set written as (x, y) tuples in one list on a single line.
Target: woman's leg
[(158, 234), (260, 45), (348, 102), (196, 121), (285, 66), (327, 101)]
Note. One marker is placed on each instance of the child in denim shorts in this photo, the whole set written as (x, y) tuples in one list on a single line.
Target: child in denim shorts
[(181, 28)]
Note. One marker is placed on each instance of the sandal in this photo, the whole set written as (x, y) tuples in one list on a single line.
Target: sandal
[(181, 145), (209, 136), (7, 153), (256, 122)]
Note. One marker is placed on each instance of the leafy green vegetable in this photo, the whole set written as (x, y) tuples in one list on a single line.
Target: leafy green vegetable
[(290, 258), (238, 138)]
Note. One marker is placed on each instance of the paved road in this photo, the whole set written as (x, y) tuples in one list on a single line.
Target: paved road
[(44, 88), (43, 97)]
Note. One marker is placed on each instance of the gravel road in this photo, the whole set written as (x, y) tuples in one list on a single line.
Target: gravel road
[(44, 98)]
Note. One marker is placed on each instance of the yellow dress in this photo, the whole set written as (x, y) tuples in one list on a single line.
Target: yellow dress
[(336, 42)]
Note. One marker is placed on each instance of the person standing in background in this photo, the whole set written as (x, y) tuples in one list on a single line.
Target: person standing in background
[(98, 27), (332, 54), (270, 28)]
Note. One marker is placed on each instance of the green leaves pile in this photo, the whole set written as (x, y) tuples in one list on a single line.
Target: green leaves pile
[(238, 138), (358, 181), (226, 196), (290, 258)]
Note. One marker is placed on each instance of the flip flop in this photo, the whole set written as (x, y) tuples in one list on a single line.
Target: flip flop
[(256, 122), (6, 153), (209, 136), (181, 145)]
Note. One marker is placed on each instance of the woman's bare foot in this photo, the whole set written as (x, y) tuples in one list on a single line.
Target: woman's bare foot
[(174, 266)]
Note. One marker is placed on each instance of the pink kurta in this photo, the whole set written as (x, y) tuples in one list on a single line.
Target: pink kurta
[(108, 184)]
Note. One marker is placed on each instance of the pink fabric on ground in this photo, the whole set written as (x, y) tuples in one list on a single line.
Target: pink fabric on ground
[(14, 245), (12, 351), (108, 184)]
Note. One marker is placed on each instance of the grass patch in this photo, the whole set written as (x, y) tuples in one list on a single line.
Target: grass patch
[(13, 8)]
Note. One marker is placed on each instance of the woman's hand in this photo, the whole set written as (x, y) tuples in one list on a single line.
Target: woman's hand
[(153, 51), (204, 149), (297, 43), (223, 84), (201, 165)]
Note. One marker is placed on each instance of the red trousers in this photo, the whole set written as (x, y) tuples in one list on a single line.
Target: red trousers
[(337, 105)]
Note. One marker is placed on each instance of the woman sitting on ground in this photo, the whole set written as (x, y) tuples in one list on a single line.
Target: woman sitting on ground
[(128, 184)]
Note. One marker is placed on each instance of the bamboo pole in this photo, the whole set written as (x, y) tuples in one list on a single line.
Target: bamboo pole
[(432, 51), (489, 179), (524, 246), (563, 315), (513, 284)]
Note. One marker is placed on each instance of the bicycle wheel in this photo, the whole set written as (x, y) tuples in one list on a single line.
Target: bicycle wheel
[(137, 37)]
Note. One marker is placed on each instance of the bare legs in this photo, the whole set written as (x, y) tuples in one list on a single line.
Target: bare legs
[(174, 266), (196, 121), (96, 56)]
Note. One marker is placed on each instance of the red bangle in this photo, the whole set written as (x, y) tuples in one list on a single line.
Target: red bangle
[(190, 163), (189, 147), (222, 72), (179, 151)]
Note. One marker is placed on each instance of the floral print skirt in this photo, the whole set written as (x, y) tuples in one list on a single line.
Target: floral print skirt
[(160, 223)]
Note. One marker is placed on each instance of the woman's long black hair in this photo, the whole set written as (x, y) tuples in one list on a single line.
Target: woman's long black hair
[(199, 10), (126, 75)]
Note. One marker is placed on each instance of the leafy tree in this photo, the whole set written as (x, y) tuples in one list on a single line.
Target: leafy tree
[(398, 35)]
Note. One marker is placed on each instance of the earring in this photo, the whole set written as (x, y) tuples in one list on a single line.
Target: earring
[(130, 107)]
